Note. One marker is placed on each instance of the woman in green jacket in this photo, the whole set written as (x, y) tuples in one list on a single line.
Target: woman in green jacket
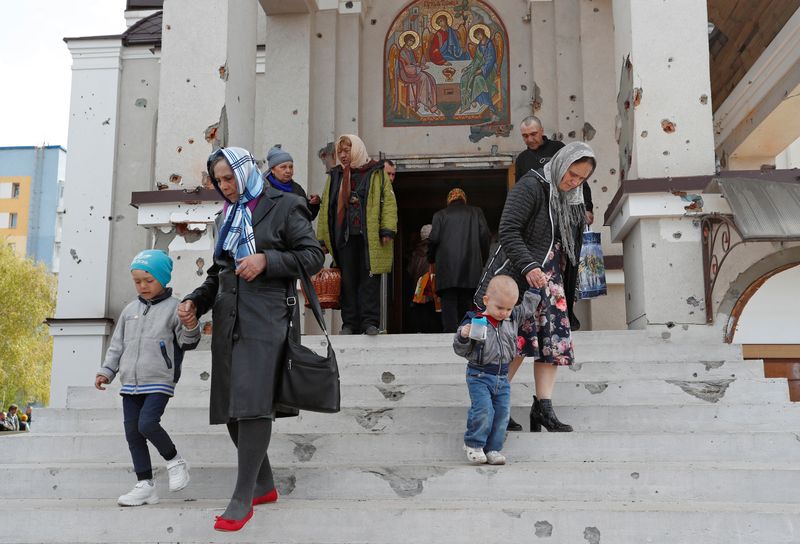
[(357, 225)]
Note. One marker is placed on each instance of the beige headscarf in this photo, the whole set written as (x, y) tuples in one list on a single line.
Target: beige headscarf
[(358, 158), (358, 151)]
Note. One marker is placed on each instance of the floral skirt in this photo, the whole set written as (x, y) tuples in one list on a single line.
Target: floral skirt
[(547, 337)]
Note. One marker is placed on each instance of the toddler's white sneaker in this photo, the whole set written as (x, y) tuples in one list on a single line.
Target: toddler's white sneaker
[(144, 492), (495, 458), (475, 455), (178, 473)]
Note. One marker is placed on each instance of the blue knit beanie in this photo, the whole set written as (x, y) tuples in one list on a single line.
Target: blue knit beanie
[(156, 262), (276, 156)]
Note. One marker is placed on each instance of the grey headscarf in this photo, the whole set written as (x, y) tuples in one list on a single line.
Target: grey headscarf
[(568, 207)]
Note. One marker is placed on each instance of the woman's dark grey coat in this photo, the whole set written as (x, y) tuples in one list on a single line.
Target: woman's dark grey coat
[(251, 318)]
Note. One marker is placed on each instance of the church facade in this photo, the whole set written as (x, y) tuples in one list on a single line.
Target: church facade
[(439, 87)]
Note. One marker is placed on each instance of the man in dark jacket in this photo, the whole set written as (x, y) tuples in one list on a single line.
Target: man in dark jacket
[(459, 245)]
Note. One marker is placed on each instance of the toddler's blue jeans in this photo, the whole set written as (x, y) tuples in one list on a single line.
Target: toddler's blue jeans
[(488, 414)]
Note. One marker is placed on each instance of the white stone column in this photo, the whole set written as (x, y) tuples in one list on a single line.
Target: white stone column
[(288, 88), (665, 130), (80, 325), (206, 100), (348, 72)]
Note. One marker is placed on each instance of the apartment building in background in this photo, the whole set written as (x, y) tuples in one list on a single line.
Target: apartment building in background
[(31, 193)]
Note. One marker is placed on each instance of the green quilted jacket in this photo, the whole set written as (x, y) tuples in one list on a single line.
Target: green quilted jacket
[(380, 213)]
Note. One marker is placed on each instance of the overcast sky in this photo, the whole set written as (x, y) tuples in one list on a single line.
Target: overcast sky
[(36, 65)]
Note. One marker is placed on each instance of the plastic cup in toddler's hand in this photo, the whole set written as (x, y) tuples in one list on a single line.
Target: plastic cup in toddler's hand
[(478, 329)]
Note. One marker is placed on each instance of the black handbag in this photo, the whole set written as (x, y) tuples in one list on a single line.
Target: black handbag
[(309, 381)]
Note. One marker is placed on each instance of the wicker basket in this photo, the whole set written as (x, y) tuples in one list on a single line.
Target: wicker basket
[(328, 285)]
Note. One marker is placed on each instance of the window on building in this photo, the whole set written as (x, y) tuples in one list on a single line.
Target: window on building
[(15, 190), (12, 220)]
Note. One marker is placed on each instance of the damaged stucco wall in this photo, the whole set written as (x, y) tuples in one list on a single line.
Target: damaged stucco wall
[(663, 100), (192, 90), (668, 254), (138, 112)]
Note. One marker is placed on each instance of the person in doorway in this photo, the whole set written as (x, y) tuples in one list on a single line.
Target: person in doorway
[(357, 224), (264, 235), (424, 317), (280, 176), (540, 240), (539, 150), (459, 245), (146, 352), (390, 168)]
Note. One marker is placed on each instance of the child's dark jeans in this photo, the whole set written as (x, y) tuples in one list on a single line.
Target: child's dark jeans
[(488, 414), (142, 423)]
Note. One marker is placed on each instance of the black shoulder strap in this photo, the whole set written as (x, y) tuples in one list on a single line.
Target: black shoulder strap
[(311, 294)]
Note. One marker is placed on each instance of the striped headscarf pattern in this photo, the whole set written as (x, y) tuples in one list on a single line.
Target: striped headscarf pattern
[(236, 235)]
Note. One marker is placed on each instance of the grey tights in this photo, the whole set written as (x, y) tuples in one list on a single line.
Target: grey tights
[(251, 437)]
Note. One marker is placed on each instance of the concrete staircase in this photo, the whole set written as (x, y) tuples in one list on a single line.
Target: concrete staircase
[(675, 442)]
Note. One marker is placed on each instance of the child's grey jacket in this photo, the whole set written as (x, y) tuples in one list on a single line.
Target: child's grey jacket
[(147, 346), (500, 346)]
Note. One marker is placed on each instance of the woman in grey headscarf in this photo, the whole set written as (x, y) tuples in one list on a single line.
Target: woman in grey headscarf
[(540, 242)]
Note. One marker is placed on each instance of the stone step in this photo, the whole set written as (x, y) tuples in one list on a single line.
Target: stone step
[(708, 417), (468, 520), (623, 393), (406, 352), (401, 419), (369, 448), (540, 481), (453, 372)]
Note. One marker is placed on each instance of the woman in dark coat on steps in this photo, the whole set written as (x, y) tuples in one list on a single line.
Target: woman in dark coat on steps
[(250, 288), (540, 243)]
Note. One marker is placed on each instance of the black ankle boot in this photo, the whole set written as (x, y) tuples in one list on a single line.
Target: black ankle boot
[(513, 425), (543, 415)]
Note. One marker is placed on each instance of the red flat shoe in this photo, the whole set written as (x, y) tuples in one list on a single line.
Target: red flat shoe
[(223, 524), (269, 496)]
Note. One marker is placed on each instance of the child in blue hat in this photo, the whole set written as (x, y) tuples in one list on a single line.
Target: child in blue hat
[(146, 353)]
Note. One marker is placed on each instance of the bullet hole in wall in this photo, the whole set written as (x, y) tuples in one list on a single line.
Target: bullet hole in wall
[(588, 132)]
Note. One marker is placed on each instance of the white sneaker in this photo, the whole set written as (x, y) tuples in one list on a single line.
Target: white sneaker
[(178, 474), (144, 492), (495, 458), (475, 455)]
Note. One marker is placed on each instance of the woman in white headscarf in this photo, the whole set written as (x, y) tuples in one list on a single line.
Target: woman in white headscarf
[(357, 225), (540, 243)]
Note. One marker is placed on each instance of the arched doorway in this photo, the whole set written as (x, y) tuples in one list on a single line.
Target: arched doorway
[(765, 319)]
